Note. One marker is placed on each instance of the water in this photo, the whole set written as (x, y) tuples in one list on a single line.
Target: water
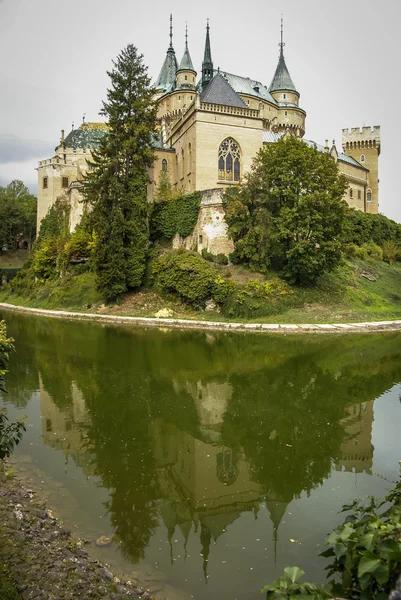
[(213, 461)]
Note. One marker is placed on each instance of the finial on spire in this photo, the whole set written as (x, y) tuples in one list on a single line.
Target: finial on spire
[(207, 24), (281, 44), (186, 35), (83, 119), (171, 30)]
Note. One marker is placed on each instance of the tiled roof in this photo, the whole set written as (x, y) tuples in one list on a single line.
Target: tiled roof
[(219, 91), (167, 74), (282, 79), (87, 136), (341, 157), (271, 136), (245, 85)]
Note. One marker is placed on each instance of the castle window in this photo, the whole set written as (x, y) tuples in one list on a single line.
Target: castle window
[(186, 78), (182, 163), (369, 196), (229, 161), (284, 96), (359, 194), (91, 168), (286, 113), (64, 183), (351, 193), (164, 165), (45, 183), (200, 239), (362, 158)]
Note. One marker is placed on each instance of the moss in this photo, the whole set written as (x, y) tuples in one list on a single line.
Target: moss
[(8, 590)]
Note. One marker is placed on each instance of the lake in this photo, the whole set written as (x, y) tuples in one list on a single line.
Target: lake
[(211, 461)]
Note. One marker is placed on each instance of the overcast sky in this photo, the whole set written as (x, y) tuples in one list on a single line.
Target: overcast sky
[(344, 57)]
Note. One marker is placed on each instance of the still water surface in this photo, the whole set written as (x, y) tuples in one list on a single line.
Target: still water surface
[(212, 460)]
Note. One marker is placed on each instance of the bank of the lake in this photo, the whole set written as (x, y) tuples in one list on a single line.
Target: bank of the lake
[(361, 327), (42, 558)]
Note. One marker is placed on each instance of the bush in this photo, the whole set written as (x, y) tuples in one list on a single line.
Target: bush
[(187, 274), (371, 250), (390, 252), (219, 259), (361, 228), (256, 298), (175, 216), (374, 251)]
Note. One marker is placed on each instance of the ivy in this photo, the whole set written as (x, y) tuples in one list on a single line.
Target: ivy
[(175, 216)]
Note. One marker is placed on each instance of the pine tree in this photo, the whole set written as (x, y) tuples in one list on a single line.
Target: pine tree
[(116, 188), (164, 191)]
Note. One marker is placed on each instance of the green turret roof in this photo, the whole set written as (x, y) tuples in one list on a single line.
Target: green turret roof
[(282, 78), (166, 77), (186, 61)]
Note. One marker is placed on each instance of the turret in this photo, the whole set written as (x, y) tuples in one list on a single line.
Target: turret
[(186, 74), (207, 65), (166, 80), (282, 87), (364, 145)]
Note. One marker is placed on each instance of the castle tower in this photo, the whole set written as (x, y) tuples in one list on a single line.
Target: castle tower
[(282, 87), (186, 74), (364, 145), (207, 65), (166, 80)]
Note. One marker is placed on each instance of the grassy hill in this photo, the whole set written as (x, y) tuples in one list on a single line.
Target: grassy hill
[(360, 290)]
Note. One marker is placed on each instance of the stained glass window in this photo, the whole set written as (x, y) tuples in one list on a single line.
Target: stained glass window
[(229, 163)]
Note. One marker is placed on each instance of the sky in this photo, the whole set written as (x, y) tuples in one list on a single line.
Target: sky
[(344, 58)]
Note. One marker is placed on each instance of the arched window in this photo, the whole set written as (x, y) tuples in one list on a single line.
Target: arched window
[(362, 158), (164, 165), (229, 162), (369, 196)]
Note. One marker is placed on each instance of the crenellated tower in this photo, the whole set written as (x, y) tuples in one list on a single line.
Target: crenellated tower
[(363, 144)]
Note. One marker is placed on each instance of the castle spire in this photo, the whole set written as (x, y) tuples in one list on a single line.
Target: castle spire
[(207, 65), (186, 61), (282, 79), (166, 79)]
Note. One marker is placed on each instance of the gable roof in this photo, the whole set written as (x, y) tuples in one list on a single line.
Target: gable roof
[(245, 85), (282, 78), (219, 91)]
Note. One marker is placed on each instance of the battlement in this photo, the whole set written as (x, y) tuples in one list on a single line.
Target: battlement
[(361, 134)]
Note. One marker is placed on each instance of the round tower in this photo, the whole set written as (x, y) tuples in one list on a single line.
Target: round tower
[(186, 74), (363, 144)]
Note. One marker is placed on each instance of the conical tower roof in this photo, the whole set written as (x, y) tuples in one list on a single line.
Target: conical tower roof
[(186, 61), (282, 78), (167, 74)]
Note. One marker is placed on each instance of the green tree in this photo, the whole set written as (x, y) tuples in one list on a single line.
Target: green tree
[(18, 209), (116, 188), (164, 190), (289, 212)]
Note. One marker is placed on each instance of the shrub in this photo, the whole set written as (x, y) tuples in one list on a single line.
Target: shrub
[(374, 251), (187, 274), (362, 228), (219, 259), (178, 215), (390, 251), (256, 298)]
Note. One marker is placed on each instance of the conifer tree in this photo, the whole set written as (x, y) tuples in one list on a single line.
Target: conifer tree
[(116, 188)]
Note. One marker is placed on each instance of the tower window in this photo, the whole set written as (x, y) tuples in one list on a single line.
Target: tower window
[(369, 196), (359, 194), (164, 165), (284, 96), (351, 193), (362, 158), (45, 183), (186, 77), (229, 160), (64, 183)]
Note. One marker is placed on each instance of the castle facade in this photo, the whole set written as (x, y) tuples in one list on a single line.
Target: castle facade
[(210, 130)]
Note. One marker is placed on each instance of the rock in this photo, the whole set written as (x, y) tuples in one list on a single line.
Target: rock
[(211, 306), (164, 313), (106, 574), (103, 540)]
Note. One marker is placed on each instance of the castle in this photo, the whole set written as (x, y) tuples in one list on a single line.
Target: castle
[(210, 130)]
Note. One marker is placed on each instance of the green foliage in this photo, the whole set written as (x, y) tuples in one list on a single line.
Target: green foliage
[(8, 274), (164, 191), (362, 228), (178, 215), (391, 252), (8, 590), (17, 215), (191, 277), (289, 587), (10, 433), (116, 188), (289, 213), (219, 259), (256, 298), (55, 223), (369, 250), (366, 552), (6, 346)]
